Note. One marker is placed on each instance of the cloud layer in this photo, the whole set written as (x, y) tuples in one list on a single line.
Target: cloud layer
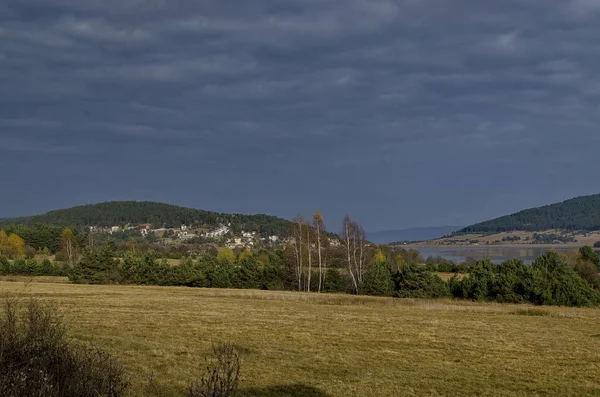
[(399, 112)]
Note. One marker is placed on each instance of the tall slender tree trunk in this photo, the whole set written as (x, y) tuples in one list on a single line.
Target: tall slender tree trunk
[(300, 267), (360, 261), (318, 226), (297, 254), (309, 253), (324, 271), (348, 239)]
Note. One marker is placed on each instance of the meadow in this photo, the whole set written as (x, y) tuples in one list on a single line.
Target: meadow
[(300, 344)]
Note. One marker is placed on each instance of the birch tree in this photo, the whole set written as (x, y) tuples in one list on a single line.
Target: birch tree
[(68, 246), (308, 254), (297, 232), (353, 237), (319, 226), (348, 237)]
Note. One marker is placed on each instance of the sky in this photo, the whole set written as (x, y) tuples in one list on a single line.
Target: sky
[(400, 113)]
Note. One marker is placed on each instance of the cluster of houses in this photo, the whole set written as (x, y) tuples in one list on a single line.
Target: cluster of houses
[(144, 229), (184, 232), (223, 233)]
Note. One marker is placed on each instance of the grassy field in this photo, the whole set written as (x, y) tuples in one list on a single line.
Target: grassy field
[(298, 344)]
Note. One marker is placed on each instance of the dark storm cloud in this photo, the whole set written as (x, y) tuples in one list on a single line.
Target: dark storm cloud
[(305, 89)]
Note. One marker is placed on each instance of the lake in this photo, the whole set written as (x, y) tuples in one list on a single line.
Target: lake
[(496, 254)]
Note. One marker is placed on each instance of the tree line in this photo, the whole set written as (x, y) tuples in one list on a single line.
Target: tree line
[(550, 280), (313, 261), (581, 213)]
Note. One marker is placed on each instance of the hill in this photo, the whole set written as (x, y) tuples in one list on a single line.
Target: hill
[(159, 214), (410, 234), (580, 213)]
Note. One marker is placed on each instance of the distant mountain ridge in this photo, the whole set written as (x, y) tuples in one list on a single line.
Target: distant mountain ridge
[(580, 213), (411, 234), (118, 213)]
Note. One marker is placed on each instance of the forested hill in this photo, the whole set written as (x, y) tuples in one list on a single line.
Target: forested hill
[(580, 213), (119, 213)]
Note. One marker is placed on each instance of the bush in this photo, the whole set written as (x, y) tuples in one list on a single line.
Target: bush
[(587, 254), (221, 375), (37, 359), (4, 265), (559, 284), (97, 266), (416, 282), (334, 281), (378, 280), (548, 281)]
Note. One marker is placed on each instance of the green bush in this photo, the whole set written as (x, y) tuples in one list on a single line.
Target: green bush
[(378, 280), (559, 284), (416, 282), (548, 281), (5, 266), (334, 281), (587, 254), (97, 266)]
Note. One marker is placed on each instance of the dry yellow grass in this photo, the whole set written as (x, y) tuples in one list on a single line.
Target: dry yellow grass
[(337, 345), (588, 238), (448, 276)]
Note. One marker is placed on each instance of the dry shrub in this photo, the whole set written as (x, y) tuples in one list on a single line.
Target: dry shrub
[(37, 358), (221, 375)]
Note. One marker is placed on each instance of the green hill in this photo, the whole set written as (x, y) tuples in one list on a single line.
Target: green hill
[(119, 213), (580, 213)]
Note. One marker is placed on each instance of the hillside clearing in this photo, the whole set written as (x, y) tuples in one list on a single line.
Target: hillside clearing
[(299, 344)]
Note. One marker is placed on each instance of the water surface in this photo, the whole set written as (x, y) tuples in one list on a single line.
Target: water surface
[(497, 254)]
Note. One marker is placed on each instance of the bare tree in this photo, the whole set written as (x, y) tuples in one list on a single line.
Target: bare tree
[(348, 237), (353, 237), (319, 226), (308, 254), (297, 232), (360, 261)]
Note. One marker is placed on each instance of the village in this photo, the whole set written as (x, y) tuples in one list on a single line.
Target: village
[(222, 235)]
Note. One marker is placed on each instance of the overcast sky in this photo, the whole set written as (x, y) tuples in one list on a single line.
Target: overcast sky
[(401, 113)]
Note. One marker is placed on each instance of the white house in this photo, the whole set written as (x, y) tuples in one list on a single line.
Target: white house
[(187, 236), (218, 232)]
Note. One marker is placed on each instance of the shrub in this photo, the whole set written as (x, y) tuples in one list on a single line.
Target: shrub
[(548, 281), (415, 282), (334, 281), (4, 265), (37, 359), (97, 266), (221, 375), (589, 272), (559, 284), (587, 254), (378, 280)]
